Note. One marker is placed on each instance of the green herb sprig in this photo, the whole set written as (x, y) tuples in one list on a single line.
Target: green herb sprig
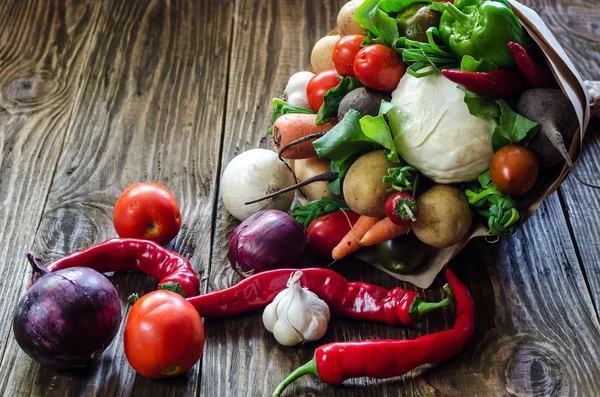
[(425, 59), (305, 214), (488, 201), (404, 179)]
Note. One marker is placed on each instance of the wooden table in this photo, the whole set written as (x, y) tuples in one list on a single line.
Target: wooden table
[(96, 95)]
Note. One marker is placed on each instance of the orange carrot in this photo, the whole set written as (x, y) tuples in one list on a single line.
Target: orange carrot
[(384, 230), (350, 242), (291, 127)]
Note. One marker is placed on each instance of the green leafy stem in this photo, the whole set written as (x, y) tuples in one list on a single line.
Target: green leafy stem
[(404, 179), (305, 214), (488, 201), (429, 56)]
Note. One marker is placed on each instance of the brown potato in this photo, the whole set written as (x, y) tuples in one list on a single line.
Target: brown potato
[(307, 168), (345, 20), (320, 57), (444, 217), (364, 190)]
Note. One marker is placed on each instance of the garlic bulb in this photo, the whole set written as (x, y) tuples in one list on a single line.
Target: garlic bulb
[(296, 314), (295, 91)]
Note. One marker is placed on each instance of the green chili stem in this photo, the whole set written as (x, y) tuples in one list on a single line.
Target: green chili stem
[(308, 368), (425, 307)]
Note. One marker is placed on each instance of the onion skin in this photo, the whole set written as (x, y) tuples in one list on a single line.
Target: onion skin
[(67, 318), (267, 240)]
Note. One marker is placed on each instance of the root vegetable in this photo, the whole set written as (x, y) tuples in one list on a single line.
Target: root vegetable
[(364, 101), (345, 20), (444, 218), (252, 174), (308, 168), (382, 231), (293, 135), (364, 191), (558, 120), (351, 241), (321, 55)]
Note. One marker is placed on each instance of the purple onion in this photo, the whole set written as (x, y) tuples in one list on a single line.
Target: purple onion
[(267, 240), (67, 318)]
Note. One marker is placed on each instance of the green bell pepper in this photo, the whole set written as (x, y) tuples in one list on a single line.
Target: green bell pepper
[(482, 29)]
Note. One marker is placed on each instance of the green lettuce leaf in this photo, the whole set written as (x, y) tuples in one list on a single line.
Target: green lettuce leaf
[(333, 97), (513, 128), (348, 139), (377, 22)]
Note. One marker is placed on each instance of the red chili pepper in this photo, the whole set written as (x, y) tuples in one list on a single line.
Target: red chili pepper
[(381, 359), (500, 83), (355, 300), (173, 272), (537, 76)]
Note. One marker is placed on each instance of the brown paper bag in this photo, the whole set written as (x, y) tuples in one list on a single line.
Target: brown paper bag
[(572, 85)]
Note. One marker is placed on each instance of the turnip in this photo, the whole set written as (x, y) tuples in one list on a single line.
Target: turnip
[(558, 120)]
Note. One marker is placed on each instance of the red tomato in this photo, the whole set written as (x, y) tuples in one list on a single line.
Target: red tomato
[(344, 53), (514, 169), (164, 335), (148, 211), (319, 85), (379, 67), (325, 232)]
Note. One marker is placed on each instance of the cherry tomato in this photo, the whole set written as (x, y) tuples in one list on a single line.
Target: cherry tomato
[(147, 211), (325, 232), (319, 85), (514, 169), (379, 67), (344, 53), (164, 335)]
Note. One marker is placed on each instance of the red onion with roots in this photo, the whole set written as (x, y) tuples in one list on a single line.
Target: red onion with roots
[(67, 318), (267, 240)]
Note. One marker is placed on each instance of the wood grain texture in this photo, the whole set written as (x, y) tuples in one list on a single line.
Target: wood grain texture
[(43, 46), (150, 108)]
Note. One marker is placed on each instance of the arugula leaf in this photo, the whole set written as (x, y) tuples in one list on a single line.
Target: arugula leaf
[(347, 140), (470, 64), (281, 107), (480, 105), (377, 21), (513, 128), (332, 98)]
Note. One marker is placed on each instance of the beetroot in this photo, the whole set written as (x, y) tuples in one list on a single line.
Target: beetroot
[(67, 318)]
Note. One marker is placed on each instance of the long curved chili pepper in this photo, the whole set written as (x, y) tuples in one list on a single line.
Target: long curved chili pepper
[(537, 76), (498, 83), (355, 300), (173, 271), (381, 359)]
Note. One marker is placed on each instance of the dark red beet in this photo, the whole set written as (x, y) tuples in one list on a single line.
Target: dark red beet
[(67, 318), (267, 240)]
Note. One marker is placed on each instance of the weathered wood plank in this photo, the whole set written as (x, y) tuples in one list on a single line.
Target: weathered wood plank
[(150, 108), (43, 46), (575, 24), (535, 324)]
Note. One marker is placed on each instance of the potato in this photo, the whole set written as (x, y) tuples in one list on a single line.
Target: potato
[(320, 58), (444, 217), (345, 21), (364, 190), (307, 168)]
